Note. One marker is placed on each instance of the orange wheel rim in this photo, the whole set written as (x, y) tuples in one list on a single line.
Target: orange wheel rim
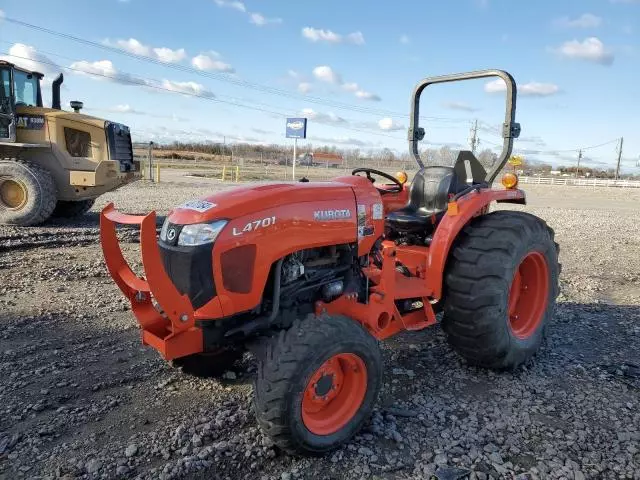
[(334, 394), (529, 295)]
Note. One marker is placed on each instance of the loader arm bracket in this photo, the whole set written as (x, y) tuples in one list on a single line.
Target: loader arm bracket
[(170, 328)]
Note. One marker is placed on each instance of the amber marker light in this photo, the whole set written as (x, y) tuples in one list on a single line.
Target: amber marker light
[(402, 177), (510, 181)]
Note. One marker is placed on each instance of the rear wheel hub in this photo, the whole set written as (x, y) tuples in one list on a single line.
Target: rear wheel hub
[(13, 194), (529, 295)]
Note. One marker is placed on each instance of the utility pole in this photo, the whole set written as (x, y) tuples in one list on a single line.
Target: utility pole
[(474, 140), (150, 160), (579, 158), (619, 158)]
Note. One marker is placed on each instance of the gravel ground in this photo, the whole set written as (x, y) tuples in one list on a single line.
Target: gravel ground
[(81, 398)]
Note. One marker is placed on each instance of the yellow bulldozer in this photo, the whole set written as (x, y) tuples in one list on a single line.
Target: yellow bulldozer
[(55, 162)]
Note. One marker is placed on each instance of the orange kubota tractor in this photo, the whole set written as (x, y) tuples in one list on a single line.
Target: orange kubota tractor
[(311, 276)]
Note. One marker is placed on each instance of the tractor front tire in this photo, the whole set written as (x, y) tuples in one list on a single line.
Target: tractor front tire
[(65, 209), (501, 284), (27, 193), (317, 384)]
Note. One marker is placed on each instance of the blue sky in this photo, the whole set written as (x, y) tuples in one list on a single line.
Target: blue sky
[(349, 67)]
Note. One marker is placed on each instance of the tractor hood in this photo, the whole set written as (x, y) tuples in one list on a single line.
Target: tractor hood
[(62, 115), (244, 200)]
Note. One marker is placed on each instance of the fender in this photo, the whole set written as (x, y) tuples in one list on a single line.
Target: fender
[(459, 214)]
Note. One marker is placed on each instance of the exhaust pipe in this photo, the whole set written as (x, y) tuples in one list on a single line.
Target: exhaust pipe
[(55, 97)]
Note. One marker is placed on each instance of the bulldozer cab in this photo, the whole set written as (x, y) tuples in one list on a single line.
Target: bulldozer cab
[(18, 87)]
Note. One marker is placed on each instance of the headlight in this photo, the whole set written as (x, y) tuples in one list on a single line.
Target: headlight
[(201, 233), (165, 227)]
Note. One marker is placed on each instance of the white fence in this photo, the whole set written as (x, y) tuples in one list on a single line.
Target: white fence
[(581, 182)]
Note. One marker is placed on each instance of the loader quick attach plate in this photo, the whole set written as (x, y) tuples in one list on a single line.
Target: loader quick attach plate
[(170, 329)]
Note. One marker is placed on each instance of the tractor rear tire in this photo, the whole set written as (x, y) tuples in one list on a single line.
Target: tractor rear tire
[(501, 284), (317, 384), (65, 209), (27, 193)]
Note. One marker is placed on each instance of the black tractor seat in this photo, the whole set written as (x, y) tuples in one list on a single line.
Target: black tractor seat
[(428, 200)]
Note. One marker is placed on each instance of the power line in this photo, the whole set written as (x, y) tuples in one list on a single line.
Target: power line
[(226, 78), (151, 83)]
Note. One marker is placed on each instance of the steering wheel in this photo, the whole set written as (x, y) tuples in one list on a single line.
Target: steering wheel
[(383, 191)]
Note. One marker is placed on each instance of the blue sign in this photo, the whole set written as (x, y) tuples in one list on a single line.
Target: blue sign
[(296, 128)]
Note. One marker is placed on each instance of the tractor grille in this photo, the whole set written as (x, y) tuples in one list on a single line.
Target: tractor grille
[(190, 269), (120, 148)]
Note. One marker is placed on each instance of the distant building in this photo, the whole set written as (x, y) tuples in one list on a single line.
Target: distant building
[(321, 159), (555, 172)]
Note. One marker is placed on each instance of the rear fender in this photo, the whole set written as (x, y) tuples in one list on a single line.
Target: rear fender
[(459, 213)]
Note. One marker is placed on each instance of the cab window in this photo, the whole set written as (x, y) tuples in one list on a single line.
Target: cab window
[(5, 91), (26, 89)]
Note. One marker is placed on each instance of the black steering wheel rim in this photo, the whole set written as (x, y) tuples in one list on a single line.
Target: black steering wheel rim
[(388, 176)]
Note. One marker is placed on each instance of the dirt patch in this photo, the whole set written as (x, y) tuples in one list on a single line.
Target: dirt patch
[(81, 398)]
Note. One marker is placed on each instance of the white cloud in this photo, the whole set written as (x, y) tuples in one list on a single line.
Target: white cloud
[(126, 108), (167, 55), (537, 89), (325, 73), (591, 50), (351, 87), (357, 38), (535, 140), (586, 20), (29, 58), (495, 86), (342, 141), (2, 15), (329, 118), (231, 4), (260, 20), (318, 35), (256, 18), (462, 106), (404, 39), (364, 95), (262, 131), (133, 46), (103, 69), (163, 54), (531, 89), (187, 88), (389, 125), (327, 36), (304, 87), (210, 62), (293, 74)]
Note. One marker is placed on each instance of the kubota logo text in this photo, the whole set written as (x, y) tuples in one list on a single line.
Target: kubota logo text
[(321, 215)]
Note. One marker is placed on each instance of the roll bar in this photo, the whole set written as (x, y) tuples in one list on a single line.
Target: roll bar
[(510, 128)]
